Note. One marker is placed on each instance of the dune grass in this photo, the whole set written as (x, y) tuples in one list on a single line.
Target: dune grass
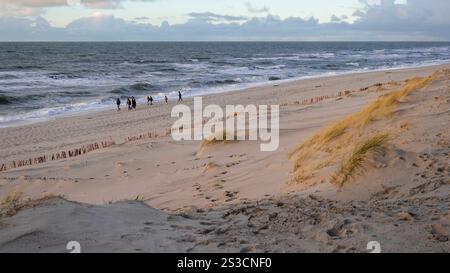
[(331, 145), (223, 137), (218, 137), (214, 139), (13, 203), (355, 163)]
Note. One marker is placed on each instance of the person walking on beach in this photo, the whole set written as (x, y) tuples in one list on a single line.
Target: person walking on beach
[(133, 103), (180, 98), (118, 102), (166, 99), (129, 104), (151, 100)]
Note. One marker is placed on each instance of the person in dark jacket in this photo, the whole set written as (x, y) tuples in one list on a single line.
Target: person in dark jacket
[(129, 104), (133, 103), (151, 100), (118, 102)]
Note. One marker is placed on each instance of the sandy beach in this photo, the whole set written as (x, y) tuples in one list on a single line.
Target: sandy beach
[(117, 181)]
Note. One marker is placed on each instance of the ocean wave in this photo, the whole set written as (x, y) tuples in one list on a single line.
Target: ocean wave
[(353, 64), (329, 66), (5, 100), (62, 75), (8, 77), (26, 67), (274, 78), (134, 88), (162, 70), (49, 112), (162, 61), (142, 86), (270, 67), (199, 59), (223, 82), (47, 97)]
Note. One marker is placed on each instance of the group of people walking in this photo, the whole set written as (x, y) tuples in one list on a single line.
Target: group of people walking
[(132, 104)]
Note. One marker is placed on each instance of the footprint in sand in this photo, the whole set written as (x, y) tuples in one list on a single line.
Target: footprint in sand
[(232, 164), (231, 195), (120, 164)]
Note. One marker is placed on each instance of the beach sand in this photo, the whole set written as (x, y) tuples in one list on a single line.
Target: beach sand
[(231, 196)]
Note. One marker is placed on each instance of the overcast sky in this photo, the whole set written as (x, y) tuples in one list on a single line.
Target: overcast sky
[(224, 20)]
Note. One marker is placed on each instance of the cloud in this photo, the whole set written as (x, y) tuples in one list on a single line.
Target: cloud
[(102, 4), (108, 4), (213, 17), (142, 18), (35, 3), (27, 7), (337, 19), (106, 27), (36, 7), (334, 18), (387, 20), (414, 13), (252, 9), (415, 18)]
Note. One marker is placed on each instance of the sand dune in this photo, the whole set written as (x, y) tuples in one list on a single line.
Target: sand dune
[(284, 201)]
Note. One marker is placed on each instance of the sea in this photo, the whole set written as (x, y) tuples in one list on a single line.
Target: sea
[(41, 81)]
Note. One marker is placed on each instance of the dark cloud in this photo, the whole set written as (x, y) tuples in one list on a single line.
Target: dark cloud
[(334, 18), (417, 19)]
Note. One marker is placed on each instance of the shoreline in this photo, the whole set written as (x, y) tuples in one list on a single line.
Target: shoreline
[(244, 88)]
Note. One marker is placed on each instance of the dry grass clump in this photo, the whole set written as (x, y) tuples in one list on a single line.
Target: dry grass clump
[(333, 143), (223, 137), (218, 137), (13, 203), (214, 139), (355, 163)]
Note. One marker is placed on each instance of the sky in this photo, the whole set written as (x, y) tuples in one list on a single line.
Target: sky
[(224, 20)]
